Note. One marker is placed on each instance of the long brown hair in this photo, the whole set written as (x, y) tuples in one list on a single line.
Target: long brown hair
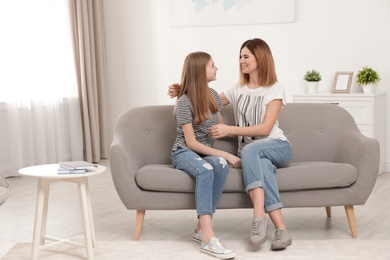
[(265, 62), (195, 85)]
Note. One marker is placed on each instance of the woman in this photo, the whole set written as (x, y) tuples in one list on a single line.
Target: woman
[(257, 100), (197, 109)]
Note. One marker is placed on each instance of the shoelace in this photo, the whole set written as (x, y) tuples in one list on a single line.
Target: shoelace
[(256, 227), (278, 235), (218, 246)]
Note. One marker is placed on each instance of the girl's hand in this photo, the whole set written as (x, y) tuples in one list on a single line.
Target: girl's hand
[(173, 90), (234, 160), (219, 131)]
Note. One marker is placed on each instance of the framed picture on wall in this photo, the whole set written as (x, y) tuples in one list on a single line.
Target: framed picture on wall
[(342, 82), (186, 13)]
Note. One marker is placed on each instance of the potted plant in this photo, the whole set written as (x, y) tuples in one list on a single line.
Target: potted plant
[(367, 78), (313, 79)]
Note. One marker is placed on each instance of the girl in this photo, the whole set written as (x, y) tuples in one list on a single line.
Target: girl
[(197, 109)]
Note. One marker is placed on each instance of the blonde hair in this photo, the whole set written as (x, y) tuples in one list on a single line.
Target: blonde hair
[(195, 85), (265, 63)]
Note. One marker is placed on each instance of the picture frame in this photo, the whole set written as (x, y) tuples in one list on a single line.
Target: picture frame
[(342, 81)]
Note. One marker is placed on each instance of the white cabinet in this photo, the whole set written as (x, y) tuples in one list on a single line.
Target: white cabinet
[(368, 110)]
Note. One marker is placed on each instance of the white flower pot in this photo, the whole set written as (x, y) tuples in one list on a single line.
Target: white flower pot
[(312, 86), (369, 89)]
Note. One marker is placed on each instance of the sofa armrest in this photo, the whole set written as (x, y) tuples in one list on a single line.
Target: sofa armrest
[(142, 136), (123, 170), (364, 154)]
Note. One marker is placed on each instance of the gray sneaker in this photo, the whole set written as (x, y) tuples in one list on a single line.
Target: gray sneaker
[(259, 232), (198, 236), (282, 239)]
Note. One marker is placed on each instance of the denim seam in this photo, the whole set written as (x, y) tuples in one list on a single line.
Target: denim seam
[(273, 207), (254, 185)]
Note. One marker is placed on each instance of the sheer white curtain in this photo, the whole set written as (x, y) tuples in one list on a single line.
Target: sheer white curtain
[(39, 106)]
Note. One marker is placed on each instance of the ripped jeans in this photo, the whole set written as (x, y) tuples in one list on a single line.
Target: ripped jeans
[(210, 173)]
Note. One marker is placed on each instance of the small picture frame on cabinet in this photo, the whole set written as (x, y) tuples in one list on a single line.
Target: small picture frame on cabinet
[(342, 82)]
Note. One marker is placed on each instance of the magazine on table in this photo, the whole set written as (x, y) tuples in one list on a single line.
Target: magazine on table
[(77, 165), (63, 170)]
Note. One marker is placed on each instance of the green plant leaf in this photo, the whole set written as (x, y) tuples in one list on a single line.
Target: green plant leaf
[(312, 75), (367, 76)]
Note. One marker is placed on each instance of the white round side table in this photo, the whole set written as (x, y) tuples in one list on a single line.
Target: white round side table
[(47, 174)]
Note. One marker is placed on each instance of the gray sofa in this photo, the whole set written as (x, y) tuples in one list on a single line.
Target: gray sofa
[(333, 164)]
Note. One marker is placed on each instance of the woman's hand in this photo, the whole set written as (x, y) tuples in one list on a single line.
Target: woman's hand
[(234, 160), (173, 90), (219, 131)]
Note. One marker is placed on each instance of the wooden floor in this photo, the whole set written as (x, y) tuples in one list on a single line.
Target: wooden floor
[(113, 222)]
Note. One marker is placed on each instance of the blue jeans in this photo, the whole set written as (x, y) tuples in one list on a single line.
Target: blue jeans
[(210, 173), (259, 162)]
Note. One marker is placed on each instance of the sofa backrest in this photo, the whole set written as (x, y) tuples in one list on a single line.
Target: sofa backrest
[(314, 130), (147, 133)]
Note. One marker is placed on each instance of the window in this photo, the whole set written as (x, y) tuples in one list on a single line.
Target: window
[(39, 107)]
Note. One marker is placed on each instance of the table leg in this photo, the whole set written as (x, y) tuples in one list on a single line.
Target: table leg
[(86, 216), (90, 213), (39, 212), (46, 191)]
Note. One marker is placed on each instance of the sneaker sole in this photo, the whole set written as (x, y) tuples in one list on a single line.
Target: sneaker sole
[(220, 256), (257, 243), (196, 239), (280, 245)]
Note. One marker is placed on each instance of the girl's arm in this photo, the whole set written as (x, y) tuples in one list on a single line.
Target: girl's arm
[(264, 129), (220, 119), (197, 147)]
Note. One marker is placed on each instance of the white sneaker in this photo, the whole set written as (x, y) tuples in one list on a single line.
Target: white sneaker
[(216, 248), (198, 236)]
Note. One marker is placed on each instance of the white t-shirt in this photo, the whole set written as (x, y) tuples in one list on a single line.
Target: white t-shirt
[(250, 106)]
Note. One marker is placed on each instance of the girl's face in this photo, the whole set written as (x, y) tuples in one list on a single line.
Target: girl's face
[(247, 61), (211, 70)]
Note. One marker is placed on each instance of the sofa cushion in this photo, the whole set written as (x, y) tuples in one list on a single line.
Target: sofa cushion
[(298, 176)]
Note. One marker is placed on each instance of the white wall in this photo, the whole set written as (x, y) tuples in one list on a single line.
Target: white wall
[(145, 54)]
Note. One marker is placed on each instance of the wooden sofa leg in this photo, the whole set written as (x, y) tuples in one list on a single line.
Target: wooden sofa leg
[(351, 220), (139, 220), (328, 211)]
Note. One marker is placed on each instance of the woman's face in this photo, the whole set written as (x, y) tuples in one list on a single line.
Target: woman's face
[(247, 61), (211, 70)]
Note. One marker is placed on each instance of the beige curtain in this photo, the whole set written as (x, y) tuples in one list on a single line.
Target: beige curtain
[(87, 24)]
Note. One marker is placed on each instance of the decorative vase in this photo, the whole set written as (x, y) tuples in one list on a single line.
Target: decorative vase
[(312, 86), (369, 88)]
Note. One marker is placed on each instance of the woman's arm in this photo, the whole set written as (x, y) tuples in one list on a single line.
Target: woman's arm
[(223, 98), (173, 91), (196, 146), (264, 129)]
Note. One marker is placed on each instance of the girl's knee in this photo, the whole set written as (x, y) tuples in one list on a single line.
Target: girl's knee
[(223, 162)]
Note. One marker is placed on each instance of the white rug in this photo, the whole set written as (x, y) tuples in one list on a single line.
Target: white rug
[(299, 250)]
